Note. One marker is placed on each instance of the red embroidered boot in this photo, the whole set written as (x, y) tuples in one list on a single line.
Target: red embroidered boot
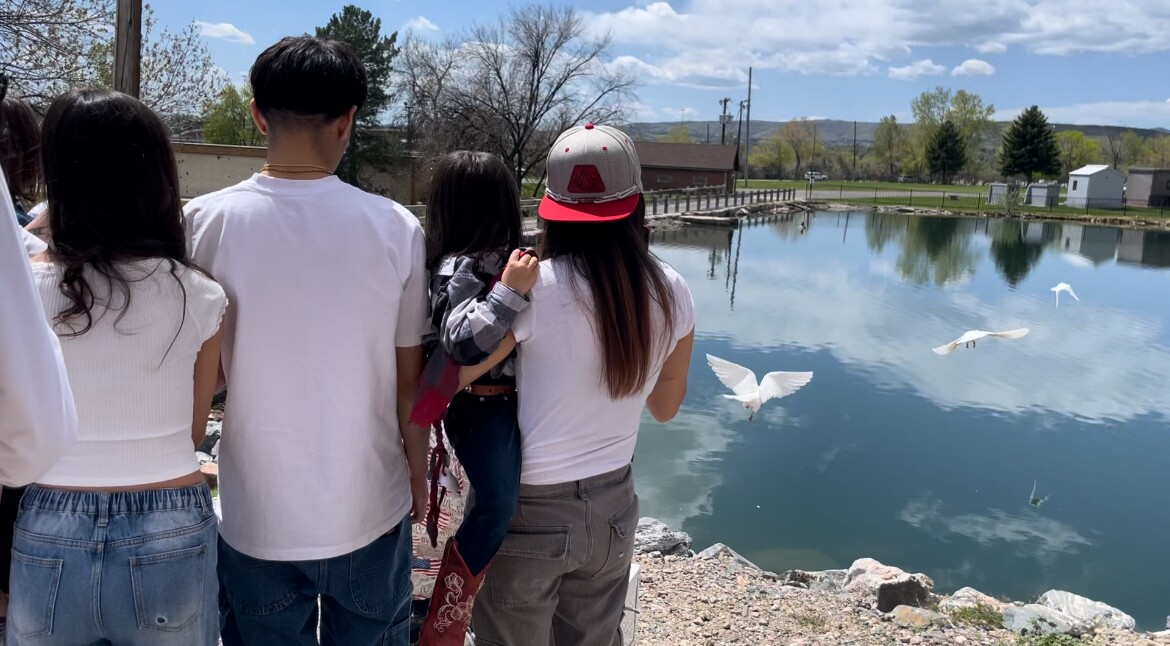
[(451, 601)]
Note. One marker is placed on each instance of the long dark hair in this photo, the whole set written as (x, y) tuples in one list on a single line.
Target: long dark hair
[(474, 207), (20, 149), (113, 195), (624, 278)]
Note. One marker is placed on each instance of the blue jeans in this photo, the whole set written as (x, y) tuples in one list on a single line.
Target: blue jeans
[(132, 568), (364, 596), (486, 438)]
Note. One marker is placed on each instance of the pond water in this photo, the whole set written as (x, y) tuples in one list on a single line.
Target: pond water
[(922, 461)]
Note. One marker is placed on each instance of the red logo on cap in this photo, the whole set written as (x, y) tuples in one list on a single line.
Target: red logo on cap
[(586, 179)]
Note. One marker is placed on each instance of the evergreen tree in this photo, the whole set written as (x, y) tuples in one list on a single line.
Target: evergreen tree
[(1029, 147), (946, 153), (370, 147)]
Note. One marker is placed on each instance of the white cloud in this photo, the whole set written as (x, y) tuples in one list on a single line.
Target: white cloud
[(973, 67), (224, 31), (1134, 114), (419, 24), (723, 37), (916, 69), (991, 47)]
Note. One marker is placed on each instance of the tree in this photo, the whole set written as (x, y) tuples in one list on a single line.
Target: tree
[(1074, 150), (799, 135), (966, 110), (1158, 151), (677, 135), (1133, 148), (946, 152), (772, 156), (889, 144), (44, 44), (61, 44), (370, 149), (512, 87), (1029, 147), (229, 120)]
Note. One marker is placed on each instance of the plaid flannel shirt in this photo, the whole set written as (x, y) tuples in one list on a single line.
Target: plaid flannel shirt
[(469, 319)]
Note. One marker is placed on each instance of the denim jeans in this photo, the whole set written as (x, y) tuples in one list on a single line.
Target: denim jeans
[(357, 599), (132, 568), (486, 438)]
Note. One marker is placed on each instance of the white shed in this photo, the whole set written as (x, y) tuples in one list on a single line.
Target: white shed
[(1095, 187)]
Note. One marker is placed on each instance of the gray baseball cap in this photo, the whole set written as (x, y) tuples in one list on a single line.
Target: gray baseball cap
[(593, 176)]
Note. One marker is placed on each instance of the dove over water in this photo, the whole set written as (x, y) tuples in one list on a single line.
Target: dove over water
[(752, 395), (971, 336)]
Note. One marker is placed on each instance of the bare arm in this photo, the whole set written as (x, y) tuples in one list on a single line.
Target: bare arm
[(206, 374), (468, 374), (671, 387), (415, 440)]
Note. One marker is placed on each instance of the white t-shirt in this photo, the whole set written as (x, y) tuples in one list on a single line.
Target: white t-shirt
[(570, 426), (132, 373), (325, 282), (37, 419)]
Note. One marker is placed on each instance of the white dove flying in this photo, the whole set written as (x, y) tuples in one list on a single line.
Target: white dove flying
[(1064, 287), (971, 336), (742, 382)]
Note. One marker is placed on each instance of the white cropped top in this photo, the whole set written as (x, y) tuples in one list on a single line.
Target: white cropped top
[(133, 372)]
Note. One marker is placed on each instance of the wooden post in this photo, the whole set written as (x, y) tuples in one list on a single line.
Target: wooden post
[(128, 47)]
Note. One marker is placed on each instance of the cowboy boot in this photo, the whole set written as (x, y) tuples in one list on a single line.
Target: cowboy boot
[(451, 601)]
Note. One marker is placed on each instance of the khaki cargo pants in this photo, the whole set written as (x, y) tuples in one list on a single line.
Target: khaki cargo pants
[(560, 577)]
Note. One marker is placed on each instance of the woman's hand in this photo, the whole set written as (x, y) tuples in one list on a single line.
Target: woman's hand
[(521, 271)]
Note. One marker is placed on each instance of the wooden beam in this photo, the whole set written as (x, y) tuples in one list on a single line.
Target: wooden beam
[(128, 47)]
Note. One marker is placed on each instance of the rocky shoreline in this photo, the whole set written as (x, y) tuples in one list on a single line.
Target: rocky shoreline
[(717, 597)]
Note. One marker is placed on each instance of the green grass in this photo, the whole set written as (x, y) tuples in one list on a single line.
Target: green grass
[(1048, 640), (980, 616)]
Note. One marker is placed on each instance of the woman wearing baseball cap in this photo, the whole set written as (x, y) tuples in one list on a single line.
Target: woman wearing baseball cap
[(608, 332)]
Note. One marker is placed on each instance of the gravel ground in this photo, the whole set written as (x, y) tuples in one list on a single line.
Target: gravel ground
[(712, 602)]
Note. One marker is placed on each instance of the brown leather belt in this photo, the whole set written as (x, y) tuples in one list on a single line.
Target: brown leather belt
[(489, 391)]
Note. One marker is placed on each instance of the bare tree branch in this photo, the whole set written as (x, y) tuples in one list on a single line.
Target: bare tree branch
[(511, 87)]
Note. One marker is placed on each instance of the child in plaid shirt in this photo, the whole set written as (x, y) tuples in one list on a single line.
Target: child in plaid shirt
[(479, 284)]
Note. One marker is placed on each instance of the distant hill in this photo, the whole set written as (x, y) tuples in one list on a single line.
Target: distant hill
[(833, 132)]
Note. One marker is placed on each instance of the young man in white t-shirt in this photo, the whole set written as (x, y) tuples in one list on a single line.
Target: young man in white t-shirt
[(320, 472)]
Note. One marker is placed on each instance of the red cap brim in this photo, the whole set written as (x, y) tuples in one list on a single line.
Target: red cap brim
[(554, 211)]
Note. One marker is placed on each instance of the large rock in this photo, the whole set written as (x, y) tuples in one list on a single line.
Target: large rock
[(719, 549), (891, 587), (1035, 619), (911, 617), (1086, 610), (654, 536), (970, 598), (824, 581)]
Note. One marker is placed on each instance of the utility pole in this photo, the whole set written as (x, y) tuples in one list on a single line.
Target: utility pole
[(747, 156), (708, 132), (738, 135), (724, 119), (128, 47)]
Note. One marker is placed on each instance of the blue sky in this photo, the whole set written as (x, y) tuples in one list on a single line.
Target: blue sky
[(1082, 61)]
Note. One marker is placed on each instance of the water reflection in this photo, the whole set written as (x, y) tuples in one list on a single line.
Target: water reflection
[(1031, 534), (839, 471)]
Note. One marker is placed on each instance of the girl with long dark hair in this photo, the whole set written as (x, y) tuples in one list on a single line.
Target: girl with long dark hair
[(608, 333), (479, 284), (117, 542)]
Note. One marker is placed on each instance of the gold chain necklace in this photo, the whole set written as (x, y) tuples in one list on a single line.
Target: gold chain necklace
[(295, 168)]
